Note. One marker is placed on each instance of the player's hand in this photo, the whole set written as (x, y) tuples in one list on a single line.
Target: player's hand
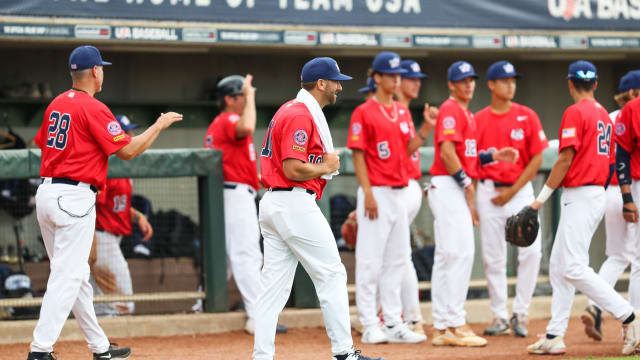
[(506, 154), (536, 205), (370, 206), (470, 196), (145, 227), (630, 212), (167, 119), (247, 87), (331, 161), (505, 194), (430, 115)]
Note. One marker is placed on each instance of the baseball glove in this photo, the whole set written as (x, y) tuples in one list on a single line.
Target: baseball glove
[(349, 230), (522, 228)]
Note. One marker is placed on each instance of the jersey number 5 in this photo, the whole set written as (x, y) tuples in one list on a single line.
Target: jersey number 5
[(604, 138), (58, 128)]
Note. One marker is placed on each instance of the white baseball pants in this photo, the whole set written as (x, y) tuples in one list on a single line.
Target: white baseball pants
[(294, 229), (109, 257), (453, 259), (383, 252), (67, 237), (582, 209), (242, 239), (409, 288), (494, 250)]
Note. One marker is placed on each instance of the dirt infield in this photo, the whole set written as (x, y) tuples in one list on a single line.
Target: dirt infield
[(312, 343)]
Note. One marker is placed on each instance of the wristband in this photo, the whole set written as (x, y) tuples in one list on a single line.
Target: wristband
[(627, 198), (462, 179), (544, 194), (486, 157)]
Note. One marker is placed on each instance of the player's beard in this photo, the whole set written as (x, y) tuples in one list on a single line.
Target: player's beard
[(332, 96)]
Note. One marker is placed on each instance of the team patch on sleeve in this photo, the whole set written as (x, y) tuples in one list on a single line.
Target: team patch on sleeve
[(449, 125), (300, 137), (568, 133), (620, 129), (114, 128), (119, 137), (299, 148)]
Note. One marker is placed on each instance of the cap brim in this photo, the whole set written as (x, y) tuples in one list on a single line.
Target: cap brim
[(475, 76), (392, 71), (516, 76), (416, 76), (341, 77), (106, 63), (573, 77)]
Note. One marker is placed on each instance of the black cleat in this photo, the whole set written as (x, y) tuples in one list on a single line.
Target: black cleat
[(592, 320), (40, 356), (114, 353), (354, 355)]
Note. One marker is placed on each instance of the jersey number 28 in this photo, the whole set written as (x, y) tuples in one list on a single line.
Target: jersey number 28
[(58, 127), (604, 138)]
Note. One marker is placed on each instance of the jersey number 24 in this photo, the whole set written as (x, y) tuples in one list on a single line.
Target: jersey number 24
[(58, 127), (604, 138)]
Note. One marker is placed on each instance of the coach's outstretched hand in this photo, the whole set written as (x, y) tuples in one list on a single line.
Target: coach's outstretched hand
[(167, 119)]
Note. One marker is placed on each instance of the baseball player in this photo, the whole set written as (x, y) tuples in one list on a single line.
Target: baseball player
[(582, 169), (621, 243), (504, 189), (452, 202), (114, 216), (380, 137), (77, 136), (297, 159), (369, 90), (409, 90)]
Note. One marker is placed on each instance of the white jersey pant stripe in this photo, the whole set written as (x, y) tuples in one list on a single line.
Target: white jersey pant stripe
[(383, 253), (67, 240), (494, 250), (582, 209), (242, 235), (409, 292), (295, 229), (109, 257), (455, 247)]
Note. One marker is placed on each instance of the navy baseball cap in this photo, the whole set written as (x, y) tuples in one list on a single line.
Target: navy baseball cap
[(413, 70), (460, 70), (85, 57), (125, 123), (322, 68), (630, 81), (371, 86), (582, 70), (387, 62), (502, 70)]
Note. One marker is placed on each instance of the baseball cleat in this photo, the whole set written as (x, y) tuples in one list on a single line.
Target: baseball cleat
[(464, 336), (400, 333), (546, 346), (40, 356), (519, 325), (374, 335), (416, 326), (114, 353), (592, 320), (631, 335), (354, 355), (497, 328), (437, 337)]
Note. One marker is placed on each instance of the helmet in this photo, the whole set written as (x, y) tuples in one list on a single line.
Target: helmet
[(230, 85)]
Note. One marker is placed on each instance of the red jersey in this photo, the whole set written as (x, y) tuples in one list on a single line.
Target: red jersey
[(291, 134), (615, 117), (587, 128), (113, 207), (627, 134), (382, 134), (76, 138), (519, 128), (413, 165), (457, 125), (238, 155)]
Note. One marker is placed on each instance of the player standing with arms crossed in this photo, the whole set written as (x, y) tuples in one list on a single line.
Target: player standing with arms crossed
[(452, 201), (297, 159), (77, 136), (381, 139), (582, 169), (503, 190), (621, 239)]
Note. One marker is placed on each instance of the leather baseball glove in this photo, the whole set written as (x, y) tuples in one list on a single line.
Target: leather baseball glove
[(522, 228)]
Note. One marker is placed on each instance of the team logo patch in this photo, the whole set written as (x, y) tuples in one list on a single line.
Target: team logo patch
[(542, 135), (394, 62), (508, 68), (300, 137), (464, 68), (620, 129), (114, 128), (568, 133), (234, 117), (415, 67), (517, 134), (404, 127), (356, 128), (449, 122)]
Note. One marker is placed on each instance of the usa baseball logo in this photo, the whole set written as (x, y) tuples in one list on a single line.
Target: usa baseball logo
[(620, 129), (517, 134), (356, 128), (449, 122), (404, 127), (114, 128), (300, 137)]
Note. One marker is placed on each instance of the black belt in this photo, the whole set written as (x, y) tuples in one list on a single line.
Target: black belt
[(310, 192), (69, 182), (498, 184), (234, 186), (398, 187)]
